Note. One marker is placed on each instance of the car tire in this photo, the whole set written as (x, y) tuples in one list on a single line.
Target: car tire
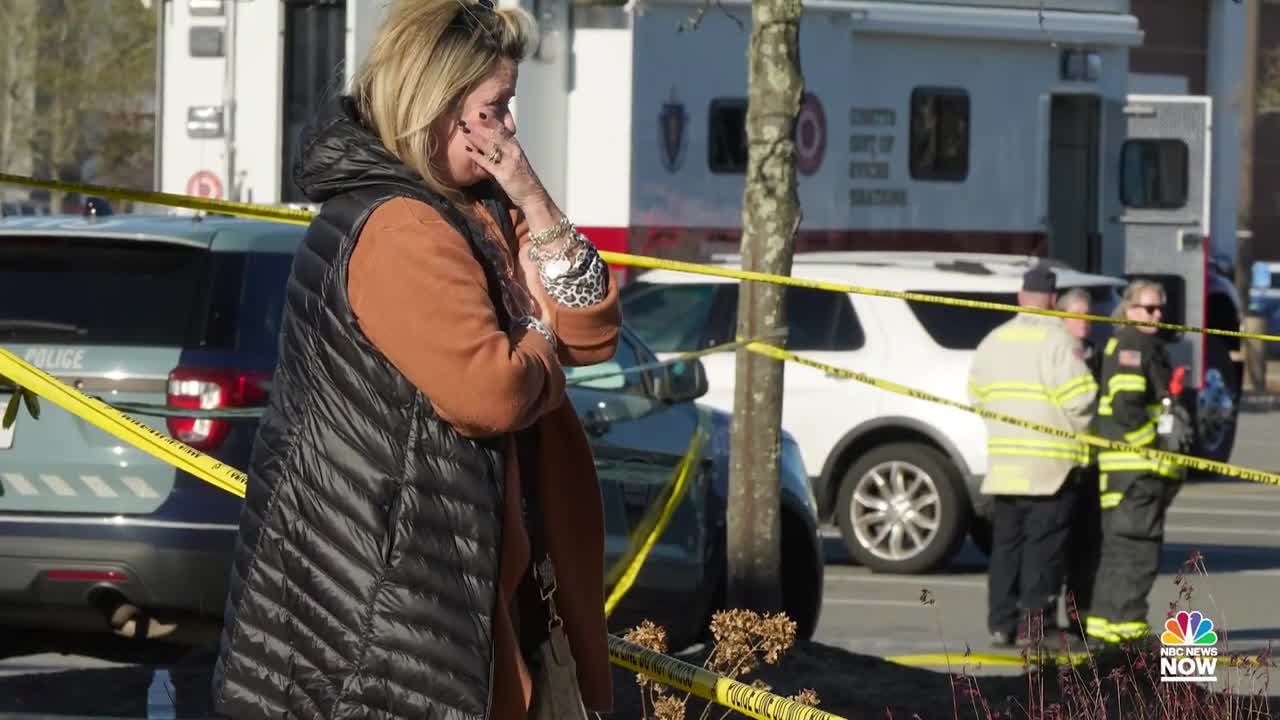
[(802, 578), (802, 575), (929, 475), (1215, 439)]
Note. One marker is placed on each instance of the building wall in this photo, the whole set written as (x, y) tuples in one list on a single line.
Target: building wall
[(1177, 40), (1195, 47)]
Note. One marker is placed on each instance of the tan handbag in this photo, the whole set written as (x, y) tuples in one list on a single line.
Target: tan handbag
[(556, 694)]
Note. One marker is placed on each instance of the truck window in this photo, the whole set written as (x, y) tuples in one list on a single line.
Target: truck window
[(1154, 174), (939, 134), (94, 291), (727, 136)]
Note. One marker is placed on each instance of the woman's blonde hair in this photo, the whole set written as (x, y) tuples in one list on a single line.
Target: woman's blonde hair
[(1134, 291), (428, 54)]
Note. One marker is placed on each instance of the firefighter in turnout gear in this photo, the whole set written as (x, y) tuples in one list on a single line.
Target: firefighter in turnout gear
[(1085, 546), (1135, 491), (1030, 367)]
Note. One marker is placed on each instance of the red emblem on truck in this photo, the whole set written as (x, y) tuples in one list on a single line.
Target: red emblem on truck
[(811, 135)]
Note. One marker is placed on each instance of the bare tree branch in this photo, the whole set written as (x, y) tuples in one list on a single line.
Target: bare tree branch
[(695, 20)]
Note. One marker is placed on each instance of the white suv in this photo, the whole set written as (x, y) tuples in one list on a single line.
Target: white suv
[(898, 475)]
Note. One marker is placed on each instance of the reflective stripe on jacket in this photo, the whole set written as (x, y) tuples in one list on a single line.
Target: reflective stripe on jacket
[(1135, 376), (1032, 368)]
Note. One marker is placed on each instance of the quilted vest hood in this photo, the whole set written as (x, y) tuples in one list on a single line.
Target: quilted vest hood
[(365, 575)]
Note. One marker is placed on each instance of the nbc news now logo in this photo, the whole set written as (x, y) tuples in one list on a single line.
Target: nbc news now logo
[(1189, 652)]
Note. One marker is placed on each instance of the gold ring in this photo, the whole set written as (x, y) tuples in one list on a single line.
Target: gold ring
[(496, 155)]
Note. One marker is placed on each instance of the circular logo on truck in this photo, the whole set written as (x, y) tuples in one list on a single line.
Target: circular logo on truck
[(811, 135)]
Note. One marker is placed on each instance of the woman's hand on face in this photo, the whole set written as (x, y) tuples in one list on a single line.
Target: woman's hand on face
[(498, 152)]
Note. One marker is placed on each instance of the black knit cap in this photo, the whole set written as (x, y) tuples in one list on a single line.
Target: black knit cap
[(1040, 279)]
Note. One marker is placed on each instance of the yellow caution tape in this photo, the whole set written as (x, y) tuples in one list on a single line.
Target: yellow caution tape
[(187, 202), (1152, 453), (122, 426), (304, 217), (707, 685), (585, 377), (652, 526), (700, 269)]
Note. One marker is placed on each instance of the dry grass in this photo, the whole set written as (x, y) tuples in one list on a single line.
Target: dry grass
[(743, 641)]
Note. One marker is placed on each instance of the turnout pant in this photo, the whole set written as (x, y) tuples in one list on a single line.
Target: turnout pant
[(1029, 537), (1085, 546), (1133, 514)]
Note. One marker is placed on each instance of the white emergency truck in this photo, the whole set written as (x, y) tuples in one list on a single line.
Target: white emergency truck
[(1005, 126)]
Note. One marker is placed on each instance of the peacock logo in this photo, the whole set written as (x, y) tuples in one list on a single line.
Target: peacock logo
[(1189, 628)]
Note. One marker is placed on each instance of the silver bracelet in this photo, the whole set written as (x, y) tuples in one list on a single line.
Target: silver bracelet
[(560, 229), (543, 258), (533, 323)]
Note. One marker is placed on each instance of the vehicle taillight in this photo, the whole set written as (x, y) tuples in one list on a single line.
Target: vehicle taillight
[(208, 389)]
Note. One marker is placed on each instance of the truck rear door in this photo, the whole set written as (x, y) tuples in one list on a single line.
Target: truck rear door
[(1164, 194)]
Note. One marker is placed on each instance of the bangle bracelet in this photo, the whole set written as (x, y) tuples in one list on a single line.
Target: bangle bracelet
[(560, 229), (541, 257), (536, 325)]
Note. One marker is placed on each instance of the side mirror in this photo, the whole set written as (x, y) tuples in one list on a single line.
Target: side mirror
[(683, 381)]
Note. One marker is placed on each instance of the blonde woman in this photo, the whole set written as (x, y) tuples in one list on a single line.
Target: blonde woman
[(1135, 491), (419, 440)]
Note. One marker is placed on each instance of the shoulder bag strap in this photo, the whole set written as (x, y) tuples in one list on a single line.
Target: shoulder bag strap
[(537, 605)]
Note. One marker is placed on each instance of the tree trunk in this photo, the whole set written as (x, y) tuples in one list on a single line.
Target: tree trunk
[(770, 218)]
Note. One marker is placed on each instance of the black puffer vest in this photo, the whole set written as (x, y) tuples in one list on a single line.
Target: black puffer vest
[(366, 572)]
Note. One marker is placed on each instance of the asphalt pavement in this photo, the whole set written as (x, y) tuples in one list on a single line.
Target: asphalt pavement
[(1231, 524)]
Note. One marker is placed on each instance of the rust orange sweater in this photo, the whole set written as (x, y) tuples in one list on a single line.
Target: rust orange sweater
[(422, 299)]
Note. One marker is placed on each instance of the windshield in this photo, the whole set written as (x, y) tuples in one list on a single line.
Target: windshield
[(669, 318)]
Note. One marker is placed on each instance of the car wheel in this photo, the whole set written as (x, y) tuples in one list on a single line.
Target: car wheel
[(1217, 404), (900, 509)]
